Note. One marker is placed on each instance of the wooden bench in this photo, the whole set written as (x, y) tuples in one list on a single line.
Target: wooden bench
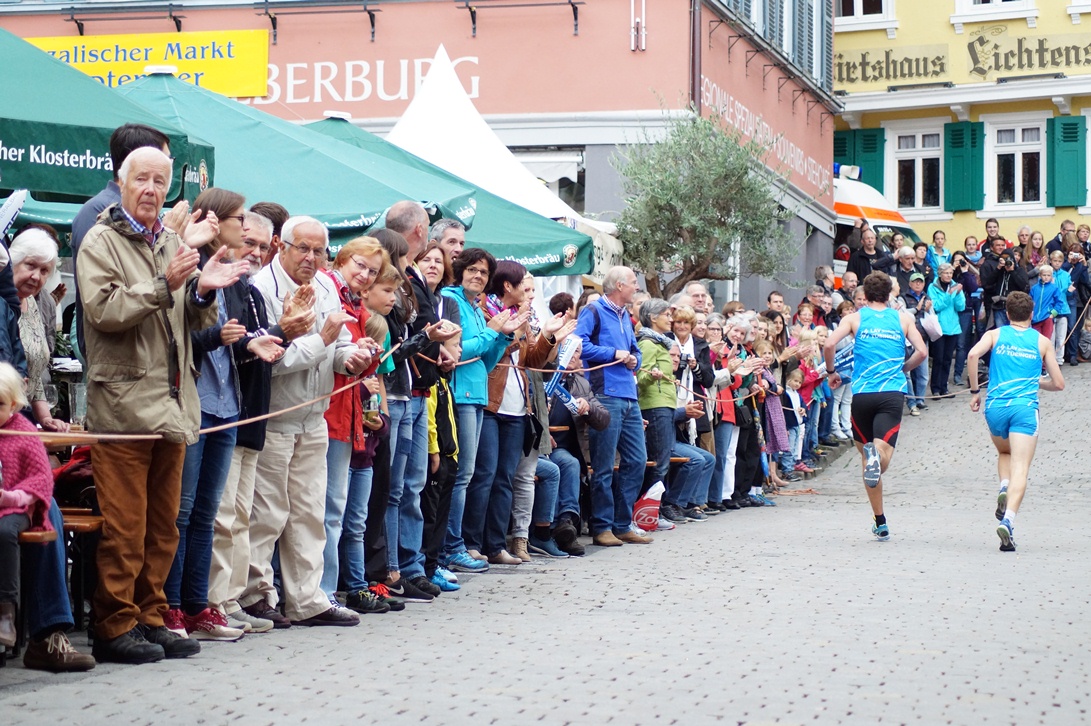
[(26, 539)]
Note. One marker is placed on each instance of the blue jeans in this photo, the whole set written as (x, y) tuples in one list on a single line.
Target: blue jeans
[(918, 381), (1072, 347), (469, 433), (693, 476), (489, 493), (659, 439), (965, 341), (825, 420), (810, 430), (1000, 318), (204, 474), (788, 459), (49, 608), (723, 435), (612, 498), (547, 484), (406, 489), (401, 443), (352, 555), (338, 454), (568, 491)]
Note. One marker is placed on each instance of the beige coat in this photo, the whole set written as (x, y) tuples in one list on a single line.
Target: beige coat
[(132, 322)]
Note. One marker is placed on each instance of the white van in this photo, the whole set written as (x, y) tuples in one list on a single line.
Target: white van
[(854, 200)]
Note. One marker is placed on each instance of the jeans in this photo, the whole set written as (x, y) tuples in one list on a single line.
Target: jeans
[(401, 443), (918, 380), (355, 527), (693, 476), (337, 489), (1060, 332), (1075, 325), (204, 474), (943, 349), (788, 458), (545, 491), (612, 499), (11, 526), (568, 491), (49, 608), (964, 342), (1000, 318), (488, 495), (727, 436), (842, 411), (659, 440), (825, 420), (469, 418), (810, 430), (406, 489)]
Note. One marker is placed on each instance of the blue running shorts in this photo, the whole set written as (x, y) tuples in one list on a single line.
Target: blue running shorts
[(1012, 420)]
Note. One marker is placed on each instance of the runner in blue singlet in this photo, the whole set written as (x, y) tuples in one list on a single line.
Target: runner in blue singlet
[(1018, 354), (878, 383)]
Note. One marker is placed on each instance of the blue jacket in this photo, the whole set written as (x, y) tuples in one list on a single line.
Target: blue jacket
[(471, 381), (934, 258), (604, 332), (947, 306), (1063, 280), (1047, 300)]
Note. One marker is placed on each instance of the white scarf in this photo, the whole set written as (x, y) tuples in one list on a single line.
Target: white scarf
[(686, 390)]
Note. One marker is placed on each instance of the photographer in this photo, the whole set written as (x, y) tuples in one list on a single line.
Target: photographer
[(1000, 275), (968, 318)]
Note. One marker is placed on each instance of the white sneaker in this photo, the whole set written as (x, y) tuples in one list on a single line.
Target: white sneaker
[(210, 624), (241, 618), (447, 575), (665, 525)]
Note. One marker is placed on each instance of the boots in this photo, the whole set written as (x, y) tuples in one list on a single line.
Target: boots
[(7, 624)]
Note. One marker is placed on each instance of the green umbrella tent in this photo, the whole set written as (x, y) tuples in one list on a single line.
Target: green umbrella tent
[(506, 230), (55, 127), (268, 159)]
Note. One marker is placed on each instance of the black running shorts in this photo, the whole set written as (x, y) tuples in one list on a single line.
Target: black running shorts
[(877, 416)]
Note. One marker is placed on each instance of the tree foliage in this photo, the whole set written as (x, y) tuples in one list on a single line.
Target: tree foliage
[(696, 198)]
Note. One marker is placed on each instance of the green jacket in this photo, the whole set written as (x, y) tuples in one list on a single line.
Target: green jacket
[(652, 393)]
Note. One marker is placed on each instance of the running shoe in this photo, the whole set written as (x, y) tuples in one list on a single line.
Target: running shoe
[(873, 470), (760, 500), (464, 562), (1001, 503), (447, 575), (1006, 532), (443, 583), (665, 525), (881, 532)]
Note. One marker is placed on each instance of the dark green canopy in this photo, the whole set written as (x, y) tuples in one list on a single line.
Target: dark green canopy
[(506, 230), (55, 126)]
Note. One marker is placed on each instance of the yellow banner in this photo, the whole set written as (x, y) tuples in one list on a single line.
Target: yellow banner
[(231, 62)]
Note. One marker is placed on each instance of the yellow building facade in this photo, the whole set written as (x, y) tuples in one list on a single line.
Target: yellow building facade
[(963, 110)]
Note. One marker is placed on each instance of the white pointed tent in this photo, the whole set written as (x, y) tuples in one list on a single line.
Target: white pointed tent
[(442, 126)]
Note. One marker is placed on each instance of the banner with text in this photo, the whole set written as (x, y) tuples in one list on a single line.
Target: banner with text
[(231, 62)]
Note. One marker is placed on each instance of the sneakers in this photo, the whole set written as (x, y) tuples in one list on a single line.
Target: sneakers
[(210, 624), (365, 602), (881, 532), (240, 625), (672, 513), (693, 514), (131, 648), (336, 616), (546, 548), (447, 575), (463, 562), (760, 500), (382, 594), (56, 654), (665, 525), (873, 467), (1006, 531), (408, 592), (262, 611), (802, 468), (519, 548), (1001, 504), (423, 584), (914, 411), (175, 621), (173, 644), (257, 625), (444, 584)]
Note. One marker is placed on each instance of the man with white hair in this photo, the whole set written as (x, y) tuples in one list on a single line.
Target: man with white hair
[(702, 301), (450, 234), (607, 333), (289, 487), (142, 297), (410, 220)]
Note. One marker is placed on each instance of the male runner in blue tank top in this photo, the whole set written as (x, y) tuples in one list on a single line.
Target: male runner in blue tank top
[(878, 382), (1011, 408)]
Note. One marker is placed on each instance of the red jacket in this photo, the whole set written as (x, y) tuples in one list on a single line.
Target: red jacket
[(345, 415)]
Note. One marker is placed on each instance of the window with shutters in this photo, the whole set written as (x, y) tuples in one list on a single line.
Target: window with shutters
[(865, 15), (914, 165), (1015, 161)]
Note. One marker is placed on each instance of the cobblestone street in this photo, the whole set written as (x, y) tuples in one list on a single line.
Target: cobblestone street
[(790, 615)]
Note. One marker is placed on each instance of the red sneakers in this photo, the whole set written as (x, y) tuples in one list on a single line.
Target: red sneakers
[(210, 624)]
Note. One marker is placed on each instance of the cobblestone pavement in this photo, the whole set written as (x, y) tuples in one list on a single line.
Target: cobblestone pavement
[(789, 615)]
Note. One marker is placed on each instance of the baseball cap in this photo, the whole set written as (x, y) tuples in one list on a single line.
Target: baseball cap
[(916, 276)]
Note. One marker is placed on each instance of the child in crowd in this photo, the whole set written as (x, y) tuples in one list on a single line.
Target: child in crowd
[(810, 363), (773, 423), (795, 416), (825, 417), (1063, 279), (841, 422), (1047, 302), (1085, 340)]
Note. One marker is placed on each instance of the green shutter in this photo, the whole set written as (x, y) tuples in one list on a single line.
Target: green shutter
[(1066, 163), (963, 166), (844, 151), (870, 155)]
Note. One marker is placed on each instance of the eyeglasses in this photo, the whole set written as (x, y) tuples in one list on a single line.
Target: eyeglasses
[(235, 216), (364, 267), (715, 329), (477, 272), (304, 250)]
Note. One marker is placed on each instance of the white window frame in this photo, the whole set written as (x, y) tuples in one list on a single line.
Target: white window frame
[(1086, 210), (967, 12), (887, 21), (1014, 209), (894, 129), (1077, 8)]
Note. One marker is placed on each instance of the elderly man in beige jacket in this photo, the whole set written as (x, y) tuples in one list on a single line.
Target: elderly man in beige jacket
[(142, 295)]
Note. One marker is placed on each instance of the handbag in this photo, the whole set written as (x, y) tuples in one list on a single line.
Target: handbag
[(930, 323), (744, 417)]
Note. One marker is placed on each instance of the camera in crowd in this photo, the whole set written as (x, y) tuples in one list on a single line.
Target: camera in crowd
[(1007, 262)]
